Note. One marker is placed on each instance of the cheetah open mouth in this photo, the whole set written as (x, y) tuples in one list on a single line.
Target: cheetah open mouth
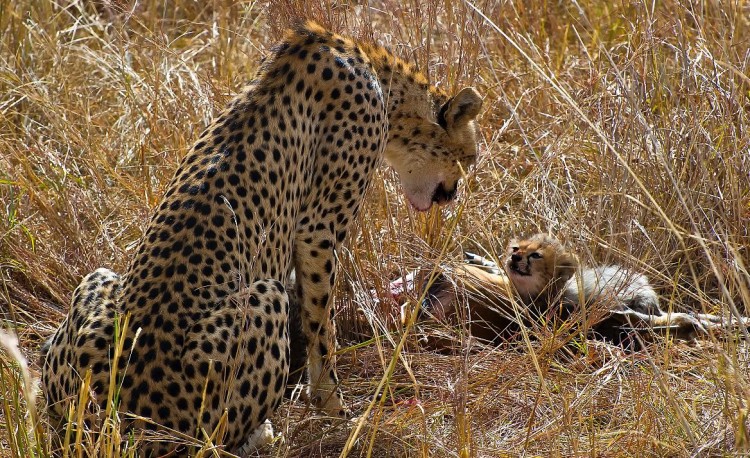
[(422, 199), (442, 196), (515, 270)]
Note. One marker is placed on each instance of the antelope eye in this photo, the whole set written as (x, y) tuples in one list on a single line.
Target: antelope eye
[(535, 255)]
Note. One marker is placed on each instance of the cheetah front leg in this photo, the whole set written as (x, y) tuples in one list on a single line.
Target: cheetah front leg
[(315, 265)]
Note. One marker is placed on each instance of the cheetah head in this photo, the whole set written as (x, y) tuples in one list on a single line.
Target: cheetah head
[(539, 265), (428, 154)]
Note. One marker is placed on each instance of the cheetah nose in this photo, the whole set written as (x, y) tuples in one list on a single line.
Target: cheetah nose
[(441, 195)]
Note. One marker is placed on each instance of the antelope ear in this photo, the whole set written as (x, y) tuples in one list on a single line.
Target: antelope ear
[(460, 109)]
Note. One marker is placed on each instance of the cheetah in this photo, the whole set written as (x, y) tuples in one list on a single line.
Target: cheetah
[(271, 186), (545, 276)]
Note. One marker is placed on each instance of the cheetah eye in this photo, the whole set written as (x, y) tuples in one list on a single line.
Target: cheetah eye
[(535, 255), (514, 248)]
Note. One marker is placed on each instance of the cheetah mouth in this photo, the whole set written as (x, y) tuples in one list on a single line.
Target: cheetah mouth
[(442, 196), (423, 199), (513, 269)]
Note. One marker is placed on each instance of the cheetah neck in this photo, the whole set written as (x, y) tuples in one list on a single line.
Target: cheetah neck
[(406, 90)]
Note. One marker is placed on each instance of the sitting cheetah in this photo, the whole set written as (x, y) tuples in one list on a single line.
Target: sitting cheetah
[(270, 186)]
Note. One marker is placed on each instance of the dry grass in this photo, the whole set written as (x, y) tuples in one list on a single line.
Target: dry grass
[(622, 127)]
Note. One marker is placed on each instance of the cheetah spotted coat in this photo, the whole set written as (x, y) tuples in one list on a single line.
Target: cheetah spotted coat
[(271, 185)]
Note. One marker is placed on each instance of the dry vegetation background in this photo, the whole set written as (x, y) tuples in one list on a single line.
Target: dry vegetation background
[(620, 126)]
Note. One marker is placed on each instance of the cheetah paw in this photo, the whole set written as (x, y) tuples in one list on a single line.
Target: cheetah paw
[(262, 436)]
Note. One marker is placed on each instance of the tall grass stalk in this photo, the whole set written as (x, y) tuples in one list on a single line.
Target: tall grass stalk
[(25, 429)]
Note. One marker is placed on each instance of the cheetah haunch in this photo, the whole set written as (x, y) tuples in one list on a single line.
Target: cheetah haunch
[(271, 185)]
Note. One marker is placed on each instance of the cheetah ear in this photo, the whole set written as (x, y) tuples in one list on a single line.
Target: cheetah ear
[(460, 109), (566, 268)]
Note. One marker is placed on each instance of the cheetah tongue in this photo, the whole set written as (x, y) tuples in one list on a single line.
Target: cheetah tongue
[(416, 206)]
